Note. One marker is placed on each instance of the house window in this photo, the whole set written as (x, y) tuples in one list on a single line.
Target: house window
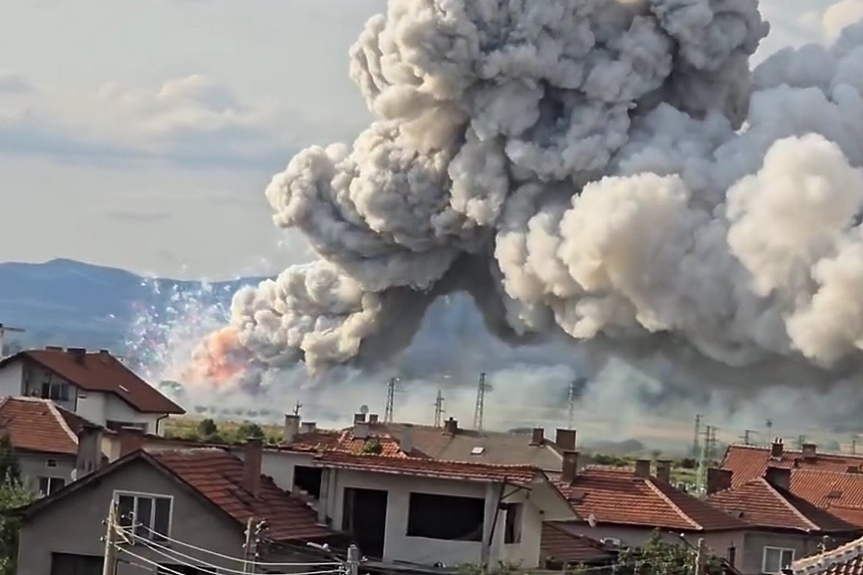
[(56, 391), (445, 517), (51, 463), (512, 527), (120, 425), (776, 558), (149, 514), (48, 485)]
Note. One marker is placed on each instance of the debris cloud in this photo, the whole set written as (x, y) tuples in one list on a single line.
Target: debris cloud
[(600, 169)]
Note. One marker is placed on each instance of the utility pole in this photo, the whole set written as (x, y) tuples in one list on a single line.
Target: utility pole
[(480, 402), (700, 557), (391, 398), (3, 331), (438, 409), (109, 566), (353, 560), (247, 545), (696, 448)]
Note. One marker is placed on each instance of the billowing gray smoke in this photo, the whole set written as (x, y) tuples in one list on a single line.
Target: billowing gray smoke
[(597, 167)]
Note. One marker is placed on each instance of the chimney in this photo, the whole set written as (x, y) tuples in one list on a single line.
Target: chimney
[(53, 348), (570, 466), (450, 426), (252, 459), (642, 468), (718, 480), (292, 427), (359, 418), (131, 439), (565, 439), (77, 353), (361, 428), (537, 436), (407, 439), (373, 418), (810, 451), (778, 477), (308, 427), (89, 457), (777, 449), (663, 470)]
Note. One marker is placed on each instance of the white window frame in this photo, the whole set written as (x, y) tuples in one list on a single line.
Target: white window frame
[(152, 496), (781, 550), (39, 479)]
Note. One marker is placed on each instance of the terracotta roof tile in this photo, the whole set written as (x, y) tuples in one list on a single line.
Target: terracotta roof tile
[(616, 496), (218, 475), (101, 372), (844, 560), (749, 462), (828, 488), (558, 544), (764, 505), (40, 426), (515, 474)]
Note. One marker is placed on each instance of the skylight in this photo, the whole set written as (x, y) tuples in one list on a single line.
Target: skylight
[(477, 451)]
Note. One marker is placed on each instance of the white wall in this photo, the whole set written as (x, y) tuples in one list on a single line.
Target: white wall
[(91, 405), (399, 547), (118, 410), (280, 465), (11, 379)]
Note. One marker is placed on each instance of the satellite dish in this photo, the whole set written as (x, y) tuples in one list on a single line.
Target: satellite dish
[(591, 520), (74, 475), (364, 409)]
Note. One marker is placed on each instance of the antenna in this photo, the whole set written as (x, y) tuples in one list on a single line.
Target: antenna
[(391, 397), (481, 389), (438, 409), (3, 331), (297, 408)]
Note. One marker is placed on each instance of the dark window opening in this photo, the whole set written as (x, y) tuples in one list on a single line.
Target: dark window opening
[(48, 485), (120, 425), (365, 518), (512, 527), (55, 391), (308, 479), (151, 516), (445, 517), (68, 564)]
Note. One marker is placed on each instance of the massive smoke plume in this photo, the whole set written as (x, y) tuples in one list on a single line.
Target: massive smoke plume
[(606, 169)]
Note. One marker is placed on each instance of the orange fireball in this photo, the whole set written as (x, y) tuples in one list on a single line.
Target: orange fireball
[(216, 361)]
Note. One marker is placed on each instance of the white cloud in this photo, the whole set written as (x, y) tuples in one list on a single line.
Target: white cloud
[(839, 15), (14, 83)]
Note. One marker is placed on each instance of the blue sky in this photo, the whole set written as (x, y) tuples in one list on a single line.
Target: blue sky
[(142, 133)]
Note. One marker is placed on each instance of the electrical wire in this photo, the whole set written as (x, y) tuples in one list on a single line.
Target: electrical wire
[(236, 559), (170, 554), (152, 563)]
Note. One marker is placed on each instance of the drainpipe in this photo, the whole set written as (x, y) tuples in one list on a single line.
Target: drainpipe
[(485, 551), (324, 498)]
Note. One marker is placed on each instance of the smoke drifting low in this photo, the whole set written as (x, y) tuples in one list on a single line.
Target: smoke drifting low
[(607, 170)]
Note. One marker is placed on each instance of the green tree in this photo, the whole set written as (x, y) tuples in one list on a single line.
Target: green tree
[(659, 557), (249, 430), (207, 427), (373, 446), (13, 494), (10, 468)]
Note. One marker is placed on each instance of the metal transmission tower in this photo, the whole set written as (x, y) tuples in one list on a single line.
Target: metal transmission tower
[(801, 439), (696, 448), (391, 397), (854, 439), (747, 434), (481, 389), (3, 331), (571, 403), (438, 409)]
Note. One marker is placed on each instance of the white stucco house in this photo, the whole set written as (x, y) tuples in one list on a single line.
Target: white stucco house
[(94, 385)]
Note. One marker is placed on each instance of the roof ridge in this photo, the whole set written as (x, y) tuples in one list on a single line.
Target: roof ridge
[(667, 499), (789, 505), (827, 559), (55, 411), (523, 466)]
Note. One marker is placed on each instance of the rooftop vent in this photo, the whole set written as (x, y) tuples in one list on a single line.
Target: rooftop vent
[(477, 451)]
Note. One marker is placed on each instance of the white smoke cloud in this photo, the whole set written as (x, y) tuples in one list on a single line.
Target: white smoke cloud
[(840, 15), (608, 170)]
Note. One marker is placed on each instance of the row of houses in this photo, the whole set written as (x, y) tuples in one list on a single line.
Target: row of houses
[(405, 494)]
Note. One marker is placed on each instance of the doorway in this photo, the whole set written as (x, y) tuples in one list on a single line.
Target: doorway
[(365, 518)]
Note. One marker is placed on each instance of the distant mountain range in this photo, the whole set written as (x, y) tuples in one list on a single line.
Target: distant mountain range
[(71, 303)]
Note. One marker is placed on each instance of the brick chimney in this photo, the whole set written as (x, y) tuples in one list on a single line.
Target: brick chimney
[(778, 477), (570, 466), (252, 459), (810, 451), (718, 479), (131, 439), (292, 427), (777, 449), (77, 353), (373, 418), (89, 457), (450, 426), (642, 468), (359, 418), (663, 470), (537, 436), (565, 439)]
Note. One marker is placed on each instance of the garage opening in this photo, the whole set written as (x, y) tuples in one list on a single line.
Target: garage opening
[(446, 517), (365, 518)]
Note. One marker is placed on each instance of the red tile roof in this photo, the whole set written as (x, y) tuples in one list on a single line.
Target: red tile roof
[(844, 560), (38, 425), (560, 545), (616, 496), (218, 476), (749, 462), (101, 372), (345, 442), (514, 474), (828, 488), (764, 505)]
